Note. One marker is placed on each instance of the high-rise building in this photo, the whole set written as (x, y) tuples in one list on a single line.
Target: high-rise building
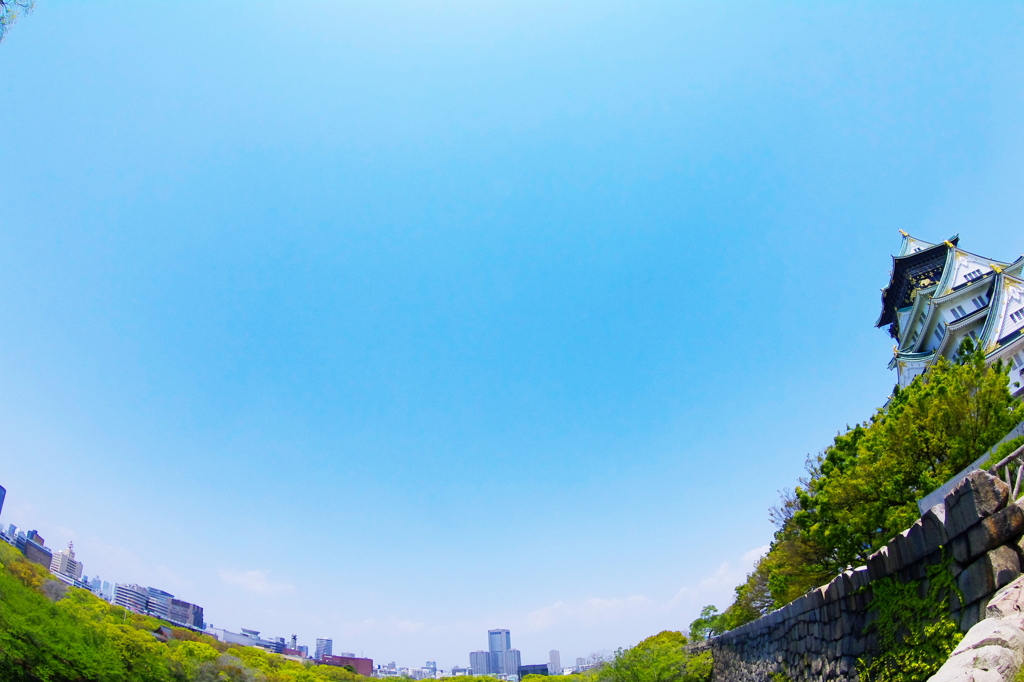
[(480, 662), (63, 563), (510, 662), (498, 642), (940, 295), (554, 662), (431, 666), (294, 642), (132, 597), (324, 647), (3, 494)]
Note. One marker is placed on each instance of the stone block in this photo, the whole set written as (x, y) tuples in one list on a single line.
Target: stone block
[(977, 580), (1005, 565), (859, 577), (970, 615), (995, 530), (933, 528), (960, 548), (878, 564), (844, 585), (979, 495)]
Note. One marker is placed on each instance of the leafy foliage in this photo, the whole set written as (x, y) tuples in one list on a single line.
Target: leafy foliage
[(72, 635), (9, 11), (659, 658), (915, 633)]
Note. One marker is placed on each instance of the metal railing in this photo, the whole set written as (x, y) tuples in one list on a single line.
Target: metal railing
[(1004, 470)]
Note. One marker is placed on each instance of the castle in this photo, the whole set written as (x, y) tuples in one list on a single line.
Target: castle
[(939, 294)]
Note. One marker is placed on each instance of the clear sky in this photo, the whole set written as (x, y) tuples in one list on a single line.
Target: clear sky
[(393, 322)]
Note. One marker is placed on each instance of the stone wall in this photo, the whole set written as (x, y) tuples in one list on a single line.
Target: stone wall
[(820, 636)]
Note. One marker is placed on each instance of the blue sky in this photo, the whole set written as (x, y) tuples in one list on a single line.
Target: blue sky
[(397, 321)]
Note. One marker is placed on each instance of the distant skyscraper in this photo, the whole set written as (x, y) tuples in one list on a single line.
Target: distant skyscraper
[(324, 647), (554, 662), (480, 662), (295, 643), (498, 642), (3, 494), (510, 662)]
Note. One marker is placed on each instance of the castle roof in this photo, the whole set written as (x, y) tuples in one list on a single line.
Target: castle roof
[(919, 264)]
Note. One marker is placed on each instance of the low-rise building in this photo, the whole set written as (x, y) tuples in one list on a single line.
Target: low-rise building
[(132, 597), (362, 666), (185, 613), (531, 669)]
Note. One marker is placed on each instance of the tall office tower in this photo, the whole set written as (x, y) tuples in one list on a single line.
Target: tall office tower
[(510, 662), (324, 647), (480, 662), (63, 562), (295, 643), (498, 642), (431, 666), (554, 662), (3, 494)]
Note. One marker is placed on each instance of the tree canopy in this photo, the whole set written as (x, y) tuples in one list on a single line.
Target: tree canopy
[(9, 12)]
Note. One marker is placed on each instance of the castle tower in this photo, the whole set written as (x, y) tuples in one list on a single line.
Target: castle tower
[(939, 294)]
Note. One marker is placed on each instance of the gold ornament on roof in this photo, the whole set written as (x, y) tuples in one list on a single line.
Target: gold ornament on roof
[(904, 233)]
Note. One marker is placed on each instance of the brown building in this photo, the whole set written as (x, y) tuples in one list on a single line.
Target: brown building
[(38, 554), (362, 666)]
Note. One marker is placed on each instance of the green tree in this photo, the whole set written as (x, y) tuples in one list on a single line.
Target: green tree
[(863, 489), (659, 658), (9, 12)]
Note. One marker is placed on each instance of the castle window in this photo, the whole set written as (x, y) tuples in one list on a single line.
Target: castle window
[(1018, 315), (958, 312), (979, 302), (973, 275)]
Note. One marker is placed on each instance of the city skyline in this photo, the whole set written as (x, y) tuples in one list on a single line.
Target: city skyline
[(301, 305)]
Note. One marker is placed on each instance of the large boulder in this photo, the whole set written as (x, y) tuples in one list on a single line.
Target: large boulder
[(1008, 602)]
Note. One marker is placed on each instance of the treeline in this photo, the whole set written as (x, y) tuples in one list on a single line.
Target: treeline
[(52, 633), (660, 658), (862, 490)]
